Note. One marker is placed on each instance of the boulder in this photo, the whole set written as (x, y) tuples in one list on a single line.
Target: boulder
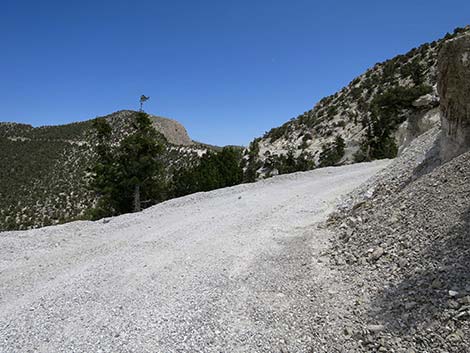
[(428, 100)]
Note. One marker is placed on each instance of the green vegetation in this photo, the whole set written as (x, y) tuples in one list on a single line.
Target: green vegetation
[(126, 176), (278, 132), (251, 163), (415, 70), (289, 163), (45, 172), (215, 170), (373, 104), (388, 110), (332, 152), (42, 175)]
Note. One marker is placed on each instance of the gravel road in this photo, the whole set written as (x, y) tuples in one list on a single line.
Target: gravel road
[(233, 270)]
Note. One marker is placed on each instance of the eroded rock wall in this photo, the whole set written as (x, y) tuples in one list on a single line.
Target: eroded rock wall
[(454, 92)]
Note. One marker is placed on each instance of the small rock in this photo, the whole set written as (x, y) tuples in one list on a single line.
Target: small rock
[(464, 300), (348, 331), (402, 262), (394, 219), (453, 293), (462, 314), (377, 254), (436, 284), (375, 328), (410, 305), (456, 336)]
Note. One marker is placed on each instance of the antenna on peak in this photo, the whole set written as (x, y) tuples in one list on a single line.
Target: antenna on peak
[(143, 99)]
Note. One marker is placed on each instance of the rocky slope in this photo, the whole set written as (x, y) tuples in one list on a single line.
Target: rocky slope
[(43, 171), (403, 242), (377, 115)]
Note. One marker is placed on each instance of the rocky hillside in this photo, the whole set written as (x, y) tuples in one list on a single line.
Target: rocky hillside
[(403, 238), (43, 171), (375, 116)]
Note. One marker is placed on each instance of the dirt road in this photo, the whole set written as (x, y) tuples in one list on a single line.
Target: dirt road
[(233, 270)]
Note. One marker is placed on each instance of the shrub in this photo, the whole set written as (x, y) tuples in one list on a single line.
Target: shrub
[(332, 153), (215, 170), (288, 163), (387, 112)]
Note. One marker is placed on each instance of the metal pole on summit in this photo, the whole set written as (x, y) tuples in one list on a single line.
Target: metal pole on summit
[(143, 99)]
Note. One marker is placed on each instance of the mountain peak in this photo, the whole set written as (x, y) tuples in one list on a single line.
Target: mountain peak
[(173, 130)]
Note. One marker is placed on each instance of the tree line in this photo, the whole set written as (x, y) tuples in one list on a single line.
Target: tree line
[(130, 175)]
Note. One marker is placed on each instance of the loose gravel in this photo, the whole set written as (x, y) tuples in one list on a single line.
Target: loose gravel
[(234, 270), (402, 250)]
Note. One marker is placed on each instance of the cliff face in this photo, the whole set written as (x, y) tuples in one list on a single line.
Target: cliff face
[(174, 132), (454, 91)]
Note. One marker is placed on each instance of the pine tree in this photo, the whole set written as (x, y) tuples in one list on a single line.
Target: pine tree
[(215, 170), (125, 175)]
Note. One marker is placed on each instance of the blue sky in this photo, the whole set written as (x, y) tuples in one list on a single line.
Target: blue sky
[(227, 70)]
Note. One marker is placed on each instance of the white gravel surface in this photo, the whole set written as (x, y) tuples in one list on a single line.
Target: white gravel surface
[(233, 270)]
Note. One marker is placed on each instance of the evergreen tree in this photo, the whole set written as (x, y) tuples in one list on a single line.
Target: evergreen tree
[(214, 171), (251, 162), (125, 175), (332, 153), (388, 111)]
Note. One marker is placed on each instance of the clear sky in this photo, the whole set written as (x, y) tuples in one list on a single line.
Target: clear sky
[(227, 70)]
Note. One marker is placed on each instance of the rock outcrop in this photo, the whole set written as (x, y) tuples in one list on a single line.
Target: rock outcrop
[(454, 91), (174, 132)]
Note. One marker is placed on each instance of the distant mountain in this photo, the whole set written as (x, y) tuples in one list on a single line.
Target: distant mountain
[(375, 116), (43, 170)]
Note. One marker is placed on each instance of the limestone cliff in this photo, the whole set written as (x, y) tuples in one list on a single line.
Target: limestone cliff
[(454, 91)]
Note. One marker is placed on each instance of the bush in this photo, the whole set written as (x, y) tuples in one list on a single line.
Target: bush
[(332, 111), (388, 110), (277, 132), (288, 163), (215, 170), (332, 153), (252, 163)]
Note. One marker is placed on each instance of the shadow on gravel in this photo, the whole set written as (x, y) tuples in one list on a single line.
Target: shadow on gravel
[(430, 162), (431, 299)]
